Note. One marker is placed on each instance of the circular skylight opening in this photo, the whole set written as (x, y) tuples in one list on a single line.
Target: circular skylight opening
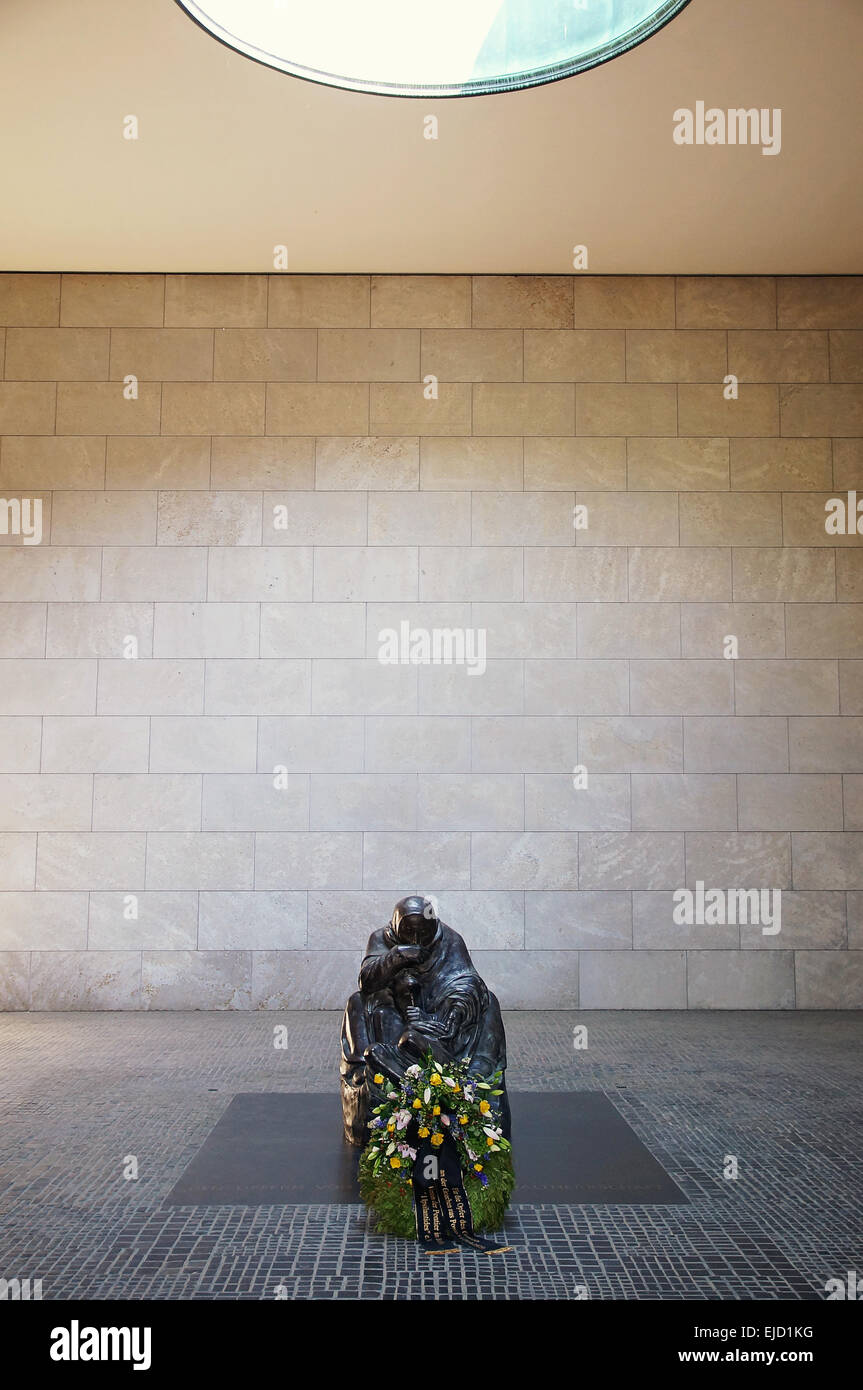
[(446, 48)]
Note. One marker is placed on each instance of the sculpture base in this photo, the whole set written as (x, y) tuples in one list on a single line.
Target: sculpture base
[(390, 1198)]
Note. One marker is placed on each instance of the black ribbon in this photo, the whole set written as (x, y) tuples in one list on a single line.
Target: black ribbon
[(441, 1207)]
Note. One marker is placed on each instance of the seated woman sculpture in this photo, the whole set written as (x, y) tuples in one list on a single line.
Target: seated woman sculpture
[(418, 993)]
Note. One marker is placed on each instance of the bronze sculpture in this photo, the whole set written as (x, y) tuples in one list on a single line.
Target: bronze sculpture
[(418, 993)]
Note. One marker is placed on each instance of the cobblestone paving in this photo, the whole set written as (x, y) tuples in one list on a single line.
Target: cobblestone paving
[(781, 1092)]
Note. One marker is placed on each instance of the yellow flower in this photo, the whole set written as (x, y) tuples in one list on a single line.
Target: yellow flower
[(477, 1167), (379, 1081), (423, 1133), (462, 1119), (484, 1107), (395, 1161), (437, 1140), (436, 1110), (418, 1105), (391, 1126), (434, 1079), (489, 1141)]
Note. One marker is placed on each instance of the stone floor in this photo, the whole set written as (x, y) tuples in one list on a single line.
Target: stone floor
[(781, 1092)]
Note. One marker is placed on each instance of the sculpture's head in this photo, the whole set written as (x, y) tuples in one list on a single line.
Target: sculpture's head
[(414, 921)]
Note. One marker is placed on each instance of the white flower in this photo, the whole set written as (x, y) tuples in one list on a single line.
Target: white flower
[(413, 1071), (468, 1093), (491, 1132), (392, 1095), (402, 1118), (444, 1119), (427, 1094), (448, 1081)]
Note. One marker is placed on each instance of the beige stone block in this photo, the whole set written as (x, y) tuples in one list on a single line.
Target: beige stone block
[(200, 860), (29, 299), (820, 301), (608, 859), (309, 859), (420, 301), (855, 920), (470, 801), (28, 407), (333, 916), (151, 687), (204, 744), (49, 462), (737, 743), (484, 573), (254, 802), (654, 927), (528, 629), (759, 859), (785, 687), (846, 356), (313, 629), (160, 354), (576, 687), (847, 463), (17, 862), (382, 618), (258, 687), (20, 742), (803, 520), (430, 743), (528, 518), (790, 575), (821, 744), (624, 301), (531, 860), (829, 979), (851, 687), (740, 980), (577, 921), (315, 518), (353, 574), (91, 744), (777, 355), (252, 921), (319, 408), (363, 801), (852, 791), (264, 354), (726, 301), (519, 744), (579, 354), (667, 575), (104, 518), (136, 572), (309, 743), (88, 407), (98, 629), (109, 301), (369, 354), (783, 465), (32, 802), (146, 802), (522, 301), (849, 576), (472, 354), (671, 465), (141, 462), (367, 462), (14, 981), (23, 630), (809, 920), (347, 686), (593, 574), (703, 410), (206, 629), (262, 463), (551, 802), (453, 690), (33, 686), (220, 407), (302, 979), (252, 574), (626, 744), (85, 981), (196, 979), (165, 921), (632, 408), (402, 408), (632, 980), (675, 801), (759, 629), (56, 354), (43, 921), (561, 465), (821, 410), (209, 518), (827, 860), (531, 979), (634, 518), (319, 301), (667, 355), (733, 518), (76, 861), (627, 629), (471, 464), (835, 630), (216, 301), (682, 687), (790, 802)]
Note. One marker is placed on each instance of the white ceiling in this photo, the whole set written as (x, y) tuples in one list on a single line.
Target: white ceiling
[(234, 158)]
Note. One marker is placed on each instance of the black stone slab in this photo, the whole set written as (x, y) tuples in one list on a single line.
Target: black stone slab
[(287, 1147)]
